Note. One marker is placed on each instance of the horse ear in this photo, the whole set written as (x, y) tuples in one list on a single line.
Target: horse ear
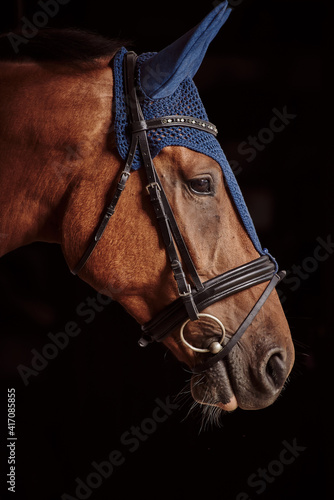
[(163, 73)]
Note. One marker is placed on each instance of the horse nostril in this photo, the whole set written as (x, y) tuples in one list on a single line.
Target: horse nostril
[(276, 369)]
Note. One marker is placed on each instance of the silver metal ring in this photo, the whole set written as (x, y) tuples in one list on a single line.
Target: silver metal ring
[(215, 347)]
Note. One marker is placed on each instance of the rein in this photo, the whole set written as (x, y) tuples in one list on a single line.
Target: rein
[(194, 296)]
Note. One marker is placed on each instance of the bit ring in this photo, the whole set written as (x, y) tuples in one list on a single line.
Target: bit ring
[(215, 347)]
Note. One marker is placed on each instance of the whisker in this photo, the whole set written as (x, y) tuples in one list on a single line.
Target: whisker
[(213, 416), (207, 413), (183, 393), (199, 381), (194, 406), (187, 370)]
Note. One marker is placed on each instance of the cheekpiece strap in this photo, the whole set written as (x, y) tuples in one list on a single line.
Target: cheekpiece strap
[(170, 232)]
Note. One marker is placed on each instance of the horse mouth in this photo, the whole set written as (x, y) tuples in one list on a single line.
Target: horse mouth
[(232, 383), (213, 387)]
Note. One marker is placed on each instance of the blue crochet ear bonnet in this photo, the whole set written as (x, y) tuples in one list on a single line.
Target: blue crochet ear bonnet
[(183, 100)]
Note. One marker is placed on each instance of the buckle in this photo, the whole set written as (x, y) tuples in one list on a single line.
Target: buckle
[(152, 185), (186, 294)]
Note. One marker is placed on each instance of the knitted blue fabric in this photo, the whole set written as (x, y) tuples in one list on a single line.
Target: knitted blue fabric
[(184, 101)]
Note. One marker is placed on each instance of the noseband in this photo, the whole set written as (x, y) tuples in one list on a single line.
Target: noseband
[(194, 296)]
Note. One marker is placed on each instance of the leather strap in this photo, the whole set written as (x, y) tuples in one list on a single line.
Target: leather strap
[(218, 288), (242, 328), (163, 212), (174, 121), (109, 212)]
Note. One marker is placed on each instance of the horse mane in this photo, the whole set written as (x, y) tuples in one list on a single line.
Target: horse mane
[(69, 45)]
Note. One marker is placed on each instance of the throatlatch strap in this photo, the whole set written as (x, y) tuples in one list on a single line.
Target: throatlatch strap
[(109, 212)]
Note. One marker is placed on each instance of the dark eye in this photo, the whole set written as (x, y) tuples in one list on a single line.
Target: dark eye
[(200, 185)]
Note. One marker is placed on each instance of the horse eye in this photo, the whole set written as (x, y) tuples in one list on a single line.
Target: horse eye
[(200, 186)]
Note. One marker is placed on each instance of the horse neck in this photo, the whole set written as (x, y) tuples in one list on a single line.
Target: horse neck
[(54, 141)]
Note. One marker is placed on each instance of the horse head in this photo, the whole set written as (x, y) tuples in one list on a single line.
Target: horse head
[(179, 242), (130, 262)]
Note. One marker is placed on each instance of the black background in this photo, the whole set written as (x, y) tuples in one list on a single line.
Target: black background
[(269, 55)]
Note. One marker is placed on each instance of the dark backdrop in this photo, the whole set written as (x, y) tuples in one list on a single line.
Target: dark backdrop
[(270, 57)]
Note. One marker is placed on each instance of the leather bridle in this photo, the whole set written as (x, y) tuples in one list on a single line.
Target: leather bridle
[(194, 296)]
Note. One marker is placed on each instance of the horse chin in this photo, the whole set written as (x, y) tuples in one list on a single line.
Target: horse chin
[(213, 388), (230, 406)]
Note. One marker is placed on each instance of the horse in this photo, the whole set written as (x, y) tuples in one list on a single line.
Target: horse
[(180, 233)]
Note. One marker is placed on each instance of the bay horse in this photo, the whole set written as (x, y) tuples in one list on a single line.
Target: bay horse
[(65, 147)]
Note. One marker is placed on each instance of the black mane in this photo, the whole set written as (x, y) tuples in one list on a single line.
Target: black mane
[(58, 45)]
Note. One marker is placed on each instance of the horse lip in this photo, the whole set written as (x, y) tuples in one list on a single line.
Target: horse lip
[(225, 397), (233, 402)]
